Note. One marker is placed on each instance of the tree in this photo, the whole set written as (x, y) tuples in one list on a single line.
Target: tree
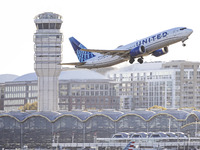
[(29, 106), (157, 107)]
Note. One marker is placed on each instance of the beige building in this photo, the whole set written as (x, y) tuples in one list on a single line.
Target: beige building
[(172, 84), (187, 82), (78, 89)]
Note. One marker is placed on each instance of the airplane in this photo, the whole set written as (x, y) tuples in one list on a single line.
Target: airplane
[(156, 45), (130, 146)]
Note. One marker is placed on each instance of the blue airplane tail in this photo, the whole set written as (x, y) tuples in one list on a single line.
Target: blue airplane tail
[(77, 46), (130, 146)]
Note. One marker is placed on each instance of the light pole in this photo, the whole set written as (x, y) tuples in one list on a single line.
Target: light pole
[(73, 137), (196, 129), (169, 124)]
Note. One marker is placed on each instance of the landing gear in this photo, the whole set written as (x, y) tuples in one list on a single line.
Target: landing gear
[(140, 60), (132, 59), (184, 41)]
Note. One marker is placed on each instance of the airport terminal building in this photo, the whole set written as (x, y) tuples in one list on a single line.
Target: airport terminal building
[(41, 129)]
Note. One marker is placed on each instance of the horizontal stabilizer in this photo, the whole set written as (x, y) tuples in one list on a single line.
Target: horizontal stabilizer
[(73, 63)]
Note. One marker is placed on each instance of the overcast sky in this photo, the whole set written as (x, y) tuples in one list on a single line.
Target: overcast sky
[(99, 24)]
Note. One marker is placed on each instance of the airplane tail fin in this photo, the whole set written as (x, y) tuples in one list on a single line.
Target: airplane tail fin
[(130, 146), (77, 46)]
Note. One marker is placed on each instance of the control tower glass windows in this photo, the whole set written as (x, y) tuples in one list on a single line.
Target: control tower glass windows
[(48, 25), (55, 36), (58, 25), (52, 25), (39, 25)]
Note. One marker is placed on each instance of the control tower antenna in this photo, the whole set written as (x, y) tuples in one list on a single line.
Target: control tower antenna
[(48, 54)]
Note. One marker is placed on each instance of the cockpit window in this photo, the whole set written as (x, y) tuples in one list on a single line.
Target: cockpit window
[(183, 28)]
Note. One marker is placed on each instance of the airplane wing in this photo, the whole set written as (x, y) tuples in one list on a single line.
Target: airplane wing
[(73, 63), (121, 53)]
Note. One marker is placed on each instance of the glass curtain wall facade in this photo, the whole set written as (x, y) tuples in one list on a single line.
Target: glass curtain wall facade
[(41, 129)]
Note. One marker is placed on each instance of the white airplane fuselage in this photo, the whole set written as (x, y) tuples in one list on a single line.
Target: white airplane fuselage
[(151, 44)]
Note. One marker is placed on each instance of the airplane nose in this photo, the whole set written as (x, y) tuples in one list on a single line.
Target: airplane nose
[(190, 32)]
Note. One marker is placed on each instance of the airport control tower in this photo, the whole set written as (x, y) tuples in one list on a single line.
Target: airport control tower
[(48, 54)]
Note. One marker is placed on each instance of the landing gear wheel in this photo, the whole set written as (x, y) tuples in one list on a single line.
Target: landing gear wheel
[(131, 60), (183, 43), (140, 60)]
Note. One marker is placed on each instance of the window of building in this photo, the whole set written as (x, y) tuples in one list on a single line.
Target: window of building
[(97, 93), (82, 93), (92, 87), (87, 87), (58, 25), (73, 100), (101, 87), (45, 25), (39, 25), (106, 93), (96, 86), (106, 86), (52, 25)]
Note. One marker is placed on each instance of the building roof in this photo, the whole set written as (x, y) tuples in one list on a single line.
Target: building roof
[(151, 66), (78, 74), (139, 67), (27, 77), (7, 77), (179, 115), (144, 114), (48, 15)]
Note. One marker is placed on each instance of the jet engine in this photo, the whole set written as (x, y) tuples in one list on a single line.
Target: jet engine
[(160, 52), (137, 51)]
